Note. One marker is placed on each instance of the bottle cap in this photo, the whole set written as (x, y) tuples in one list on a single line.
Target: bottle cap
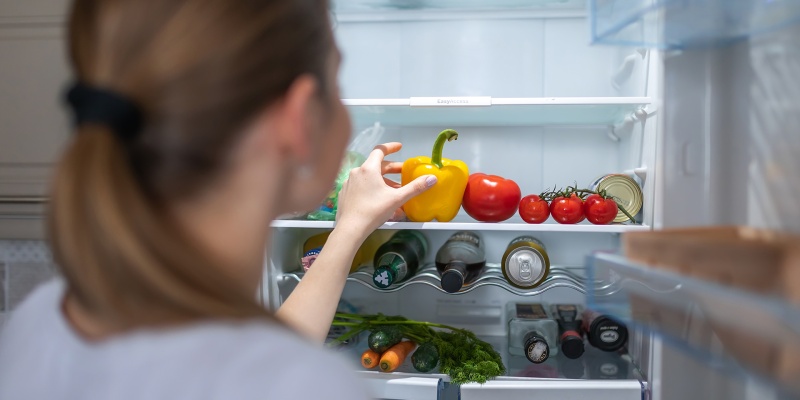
[(536, 349), (386, 271), (572, 346), (607, 334), (383, 277), (525, 267), (452, 280)]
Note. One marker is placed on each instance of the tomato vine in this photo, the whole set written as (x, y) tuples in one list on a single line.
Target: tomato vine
[(550, 195)]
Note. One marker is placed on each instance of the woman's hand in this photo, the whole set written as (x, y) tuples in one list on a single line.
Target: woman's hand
[(367, 199)]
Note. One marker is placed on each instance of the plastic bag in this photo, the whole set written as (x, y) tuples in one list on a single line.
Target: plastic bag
[(363, 144), (327, 211)]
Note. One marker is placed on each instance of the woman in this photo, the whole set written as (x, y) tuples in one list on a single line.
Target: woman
[(198, 122)]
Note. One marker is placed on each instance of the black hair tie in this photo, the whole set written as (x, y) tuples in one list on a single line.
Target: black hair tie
[(93, 105)]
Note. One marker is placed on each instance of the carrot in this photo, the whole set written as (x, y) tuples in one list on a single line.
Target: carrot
[(370, 359), (396, 355)]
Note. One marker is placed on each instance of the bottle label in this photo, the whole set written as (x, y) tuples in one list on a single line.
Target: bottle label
[(309, 257), (609, 336), (396, 263), (484, 101), (531, 311), (527, 239), (468, 237)]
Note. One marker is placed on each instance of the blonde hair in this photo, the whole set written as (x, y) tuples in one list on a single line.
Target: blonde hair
[(199, 70)]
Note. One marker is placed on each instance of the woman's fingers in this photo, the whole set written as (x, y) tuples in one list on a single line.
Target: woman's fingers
[(417, 186), (391, 167), (380, 151), (391, 183)]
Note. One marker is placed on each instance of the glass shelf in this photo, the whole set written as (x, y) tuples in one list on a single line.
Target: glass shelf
[(729, 329), (559, 277), (495, 111), (343, 6), (474, 226), (679, 24)]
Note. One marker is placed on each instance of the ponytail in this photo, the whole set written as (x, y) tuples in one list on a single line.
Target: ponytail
[(122, 256), (196, 72)]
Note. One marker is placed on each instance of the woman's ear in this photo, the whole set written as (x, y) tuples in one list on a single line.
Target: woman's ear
[(294, 131)]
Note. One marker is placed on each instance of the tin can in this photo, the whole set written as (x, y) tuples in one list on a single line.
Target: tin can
[(624, 190), (525, 263)]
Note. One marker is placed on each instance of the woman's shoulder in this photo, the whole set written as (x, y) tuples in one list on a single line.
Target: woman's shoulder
[(250, 358)]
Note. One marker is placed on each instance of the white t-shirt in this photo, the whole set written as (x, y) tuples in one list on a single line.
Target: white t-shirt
[(41, 357)]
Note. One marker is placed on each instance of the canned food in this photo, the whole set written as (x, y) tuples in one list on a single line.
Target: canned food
[(624, 190), (525, 263)]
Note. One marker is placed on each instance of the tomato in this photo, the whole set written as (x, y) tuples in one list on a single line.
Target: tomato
[(567, 210), (490, 198), (533, 209), (600, 211)]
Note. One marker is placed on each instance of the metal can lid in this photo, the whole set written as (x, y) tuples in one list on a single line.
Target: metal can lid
[(625, 191), (525, 267)]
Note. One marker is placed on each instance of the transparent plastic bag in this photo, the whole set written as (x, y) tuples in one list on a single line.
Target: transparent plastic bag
[(361, 145)]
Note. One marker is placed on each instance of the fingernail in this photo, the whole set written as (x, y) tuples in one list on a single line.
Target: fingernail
[(431, 180)]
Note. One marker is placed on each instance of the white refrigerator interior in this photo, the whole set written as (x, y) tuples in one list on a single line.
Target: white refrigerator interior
[(696, 100), (532, 101)]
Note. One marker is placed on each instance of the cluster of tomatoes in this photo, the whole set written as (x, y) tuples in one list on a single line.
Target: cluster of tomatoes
[(490, 198), (569, 207)]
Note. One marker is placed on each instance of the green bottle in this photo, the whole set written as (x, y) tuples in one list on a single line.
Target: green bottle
[(399, 258)]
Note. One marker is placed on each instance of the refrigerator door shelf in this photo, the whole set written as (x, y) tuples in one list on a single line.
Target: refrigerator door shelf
[(488, 111), (558, 278), (585, 227), (671, 24), (733, 330)]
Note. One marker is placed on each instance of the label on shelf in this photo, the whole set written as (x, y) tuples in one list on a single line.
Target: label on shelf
[(481, 101)]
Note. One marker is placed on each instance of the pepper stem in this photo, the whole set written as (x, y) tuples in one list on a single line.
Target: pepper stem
[(446, 135)]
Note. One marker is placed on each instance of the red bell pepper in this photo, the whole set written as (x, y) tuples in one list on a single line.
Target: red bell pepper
[(490, 198)]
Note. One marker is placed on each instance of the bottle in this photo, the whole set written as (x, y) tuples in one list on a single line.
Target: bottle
[(525, 263), (364, 255), (603, 332), (531, 332), (460, 261), (399, 258), (569, 328)]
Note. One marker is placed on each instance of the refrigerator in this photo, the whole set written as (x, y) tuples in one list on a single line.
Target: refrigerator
[(698, 101)]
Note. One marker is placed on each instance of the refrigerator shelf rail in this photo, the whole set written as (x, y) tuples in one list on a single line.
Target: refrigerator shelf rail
[(738, 332), (672, 24), (473, 226), (427, 276), (352, 6), (488, 111)]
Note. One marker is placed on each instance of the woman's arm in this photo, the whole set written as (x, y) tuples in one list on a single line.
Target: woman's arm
[(366, 201)]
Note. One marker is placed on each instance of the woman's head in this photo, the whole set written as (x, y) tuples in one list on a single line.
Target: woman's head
[(224, 86)]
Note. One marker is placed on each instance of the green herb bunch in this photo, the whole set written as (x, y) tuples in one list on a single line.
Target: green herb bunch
[(462, 356)]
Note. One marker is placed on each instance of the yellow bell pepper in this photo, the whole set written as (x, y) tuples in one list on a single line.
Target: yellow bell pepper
[(443, 200)]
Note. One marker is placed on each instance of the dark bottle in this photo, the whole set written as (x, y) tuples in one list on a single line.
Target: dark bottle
[(603, 332), (460, 261), (531, 332), (569, 328), (399, 258)]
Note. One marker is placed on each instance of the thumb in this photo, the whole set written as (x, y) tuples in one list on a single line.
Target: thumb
[(417, 186)]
